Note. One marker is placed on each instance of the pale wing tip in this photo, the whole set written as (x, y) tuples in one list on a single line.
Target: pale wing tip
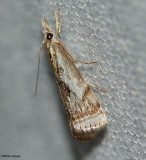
[(85, 133)]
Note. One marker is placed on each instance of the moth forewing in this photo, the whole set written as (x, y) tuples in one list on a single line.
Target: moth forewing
[(85, 114)]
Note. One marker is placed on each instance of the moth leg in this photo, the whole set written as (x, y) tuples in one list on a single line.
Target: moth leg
[(58, 22), (84, 62), (98, 88), (77, 60)]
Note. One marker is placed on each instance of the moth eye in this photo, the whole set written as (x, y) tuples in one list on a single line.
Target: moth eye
[(49, 36)]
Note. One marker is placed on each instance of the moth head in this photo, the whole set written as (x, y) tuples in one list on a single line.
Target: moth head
[(48, 33)]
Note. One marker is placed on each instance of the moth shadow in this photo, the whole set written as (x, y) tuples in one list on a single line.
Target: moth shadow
[(82, 149)]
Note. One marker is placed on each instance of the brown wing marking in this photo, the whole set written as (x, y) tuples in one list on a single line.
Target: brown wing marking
[(87, 119)]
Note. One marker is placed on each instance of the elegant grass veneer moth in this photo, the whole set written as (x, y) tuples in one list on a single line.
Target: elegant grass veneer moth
[(85, 114)]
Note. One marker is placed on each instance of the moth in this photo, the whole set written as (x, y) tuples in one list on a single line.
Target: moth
[(84, 112)]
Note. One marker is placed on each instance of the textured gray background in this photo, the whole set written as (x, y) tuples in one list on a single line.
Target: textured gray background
[(111, 32)]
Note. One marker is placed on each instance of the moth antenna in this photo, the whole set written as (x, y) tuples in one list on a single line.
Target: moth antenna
[(60, 21), (37, 78), (56, 18)]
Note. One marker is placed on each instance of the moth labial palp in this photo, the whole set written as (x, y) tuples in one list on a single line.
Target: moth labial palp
[(85, 114)]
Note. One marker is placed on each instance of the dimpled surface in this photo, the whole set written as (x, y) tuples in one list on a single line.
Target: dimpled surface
[(113, 33)]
